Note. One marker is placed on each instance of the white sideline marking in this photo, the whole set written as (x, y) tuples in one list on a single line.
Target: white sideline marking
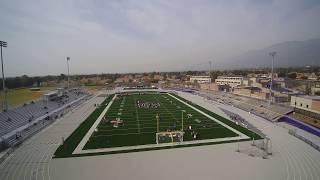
[(216, 120), (93, 127), (160, 145), (79, 149)]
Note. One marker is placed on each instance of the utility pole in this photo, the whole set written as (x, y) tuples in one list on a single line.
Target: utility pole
[(273, 54), (68, 59), (5, 105)]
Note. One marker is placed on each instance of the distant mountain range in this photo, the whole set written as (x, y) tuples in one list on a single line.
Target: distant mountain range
[(289, 54)]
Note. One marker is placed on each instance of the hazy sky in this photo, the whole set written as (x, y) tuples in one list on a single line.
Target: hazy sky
[(105, 36)]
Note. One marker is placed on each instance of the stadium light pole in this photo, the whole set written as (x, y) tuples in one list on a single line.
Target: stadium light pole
[(4, 44), (210, 65), (272, 54), (68, 59)]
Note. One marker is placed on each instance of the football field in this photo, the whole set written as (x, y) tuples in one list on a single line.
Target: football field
[(139, 125), (129, 121)]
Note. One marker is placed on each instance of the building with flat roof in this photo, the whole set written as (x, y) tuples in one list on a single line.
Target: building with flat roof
[(253, 92), (200, 79), (232, 81), (306, 103), (50, 96)]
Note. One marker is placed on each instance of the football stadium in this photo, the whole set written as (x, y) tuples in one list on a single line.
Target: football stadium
[(160, 90), (149, 133)]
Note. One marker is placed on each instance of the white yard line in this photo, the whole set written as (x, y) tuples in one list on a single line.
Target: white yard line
[(137, 117), (93, 127), (240, 137), (169, 112)]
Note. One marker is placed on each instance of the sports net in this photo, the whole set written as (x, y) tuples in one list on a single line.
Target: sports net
[(169, 137)]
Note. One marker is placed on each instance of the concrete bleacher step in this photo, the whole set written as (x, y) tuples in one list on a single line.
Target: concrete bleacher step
[(21, 115)]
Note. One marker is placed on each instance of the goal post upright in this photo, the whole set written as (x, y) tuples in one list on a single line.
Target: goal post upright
[(182, 121), (182, 111), (169, 137), (157, 117), (157, 139)]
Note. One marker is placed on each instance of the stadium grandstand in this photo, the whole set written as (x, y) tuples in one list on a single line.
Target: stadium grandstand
[(19, 123), (242, 122), (260, 108), (278, 114)]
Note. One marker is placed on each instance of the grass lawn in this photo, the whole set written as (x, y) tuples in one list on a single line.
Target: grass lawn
[(93, 88), (17, 97)]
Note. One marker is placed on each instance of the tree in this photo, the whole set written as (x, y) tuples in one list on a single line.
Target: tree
[(152, 75), (62, 77), (304, 77), (292, 75), (214, 75), (165, 77)]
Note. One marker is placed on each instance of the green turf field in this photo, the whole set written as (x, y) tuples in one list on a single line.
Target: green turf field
[(140, 124)]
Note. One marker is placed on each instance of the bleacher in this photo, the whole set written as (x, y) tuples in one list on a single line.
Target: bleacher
[(241, 121), (258, 107), (27, 113)]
